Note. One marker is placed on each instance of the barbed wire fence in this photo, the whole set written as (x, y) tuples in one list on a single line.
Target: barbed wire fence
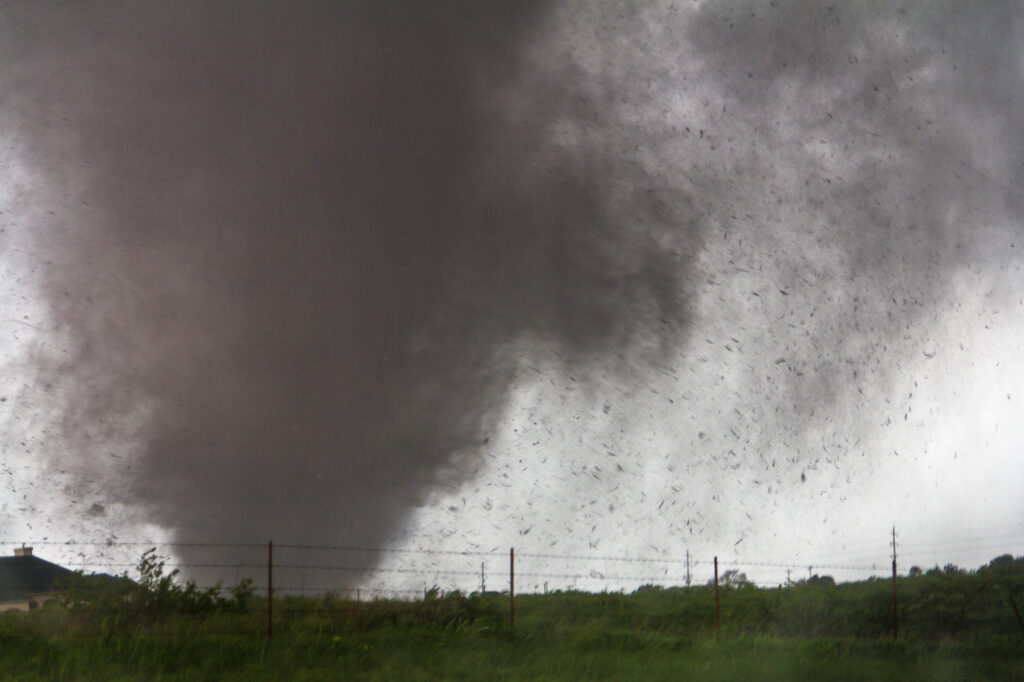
[(329, 568), (296, 570)]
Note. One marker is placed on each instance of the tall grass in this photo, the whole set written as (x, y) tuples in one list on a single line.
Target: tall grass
[(955, 625), (652, 634)]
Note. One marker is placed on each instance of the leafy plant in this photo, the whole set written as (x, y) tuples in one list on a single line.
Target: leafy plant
[(154, 595)]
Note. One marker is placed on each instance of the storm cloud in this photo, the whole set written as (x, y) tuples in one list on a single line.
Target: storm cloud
[(294, 248)]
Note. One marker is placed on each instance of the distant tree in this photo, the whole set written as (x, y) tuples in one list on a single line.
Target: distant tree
[(915, 571), (1006, 574), (820, 580), (733, 578)]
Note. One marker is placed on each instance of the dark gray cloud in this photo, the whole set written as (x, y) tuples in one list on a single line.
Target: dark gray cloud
[(291, 248)]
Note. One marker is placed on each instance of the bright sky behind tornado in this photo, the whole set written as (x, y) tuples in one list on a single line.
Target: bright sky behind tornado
[(595, 279)]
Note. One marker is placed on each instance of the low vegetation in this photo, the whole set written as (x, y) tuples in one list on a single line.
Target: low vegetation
[(954, 625)]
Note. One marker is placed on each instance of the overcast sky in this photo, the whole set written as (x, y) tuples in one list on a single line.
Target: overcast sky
[(611, 279)]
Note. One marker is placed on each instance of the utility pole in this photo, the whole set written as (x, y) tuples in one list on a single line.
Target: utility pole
[(483, 585), (687, 568), (895, 610)]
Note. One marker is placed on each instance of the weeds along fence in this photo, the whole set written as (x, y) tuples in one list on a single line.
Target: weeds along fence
[(709, 595)]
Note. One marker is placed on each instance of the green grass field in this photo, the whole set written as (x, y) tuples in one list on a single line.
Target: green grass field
[(648, 635), (399, 655)]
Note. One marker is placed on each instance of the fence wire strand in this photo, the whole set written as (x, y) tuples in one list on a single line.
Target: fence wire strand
[(374, 578)]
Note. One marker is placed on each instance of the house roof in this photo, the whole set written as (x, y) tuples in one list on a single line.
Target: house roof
[(21, 576)]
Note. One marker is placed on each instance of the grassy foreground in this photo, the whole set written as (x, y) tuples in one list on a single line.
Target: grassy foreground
[(560, 636), (420, 656)]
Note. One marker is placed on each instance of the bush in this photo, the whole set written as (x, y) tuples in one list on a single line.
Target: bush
[(155, 595)]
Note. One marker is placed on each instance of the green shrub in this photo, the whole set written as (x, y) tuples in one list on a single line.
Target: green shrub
[(154, 596)]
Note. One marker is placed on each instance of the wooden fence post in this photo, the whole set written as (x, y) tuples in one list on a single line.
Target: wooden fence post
[(716, 597), (270, 589), (512, 587)]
